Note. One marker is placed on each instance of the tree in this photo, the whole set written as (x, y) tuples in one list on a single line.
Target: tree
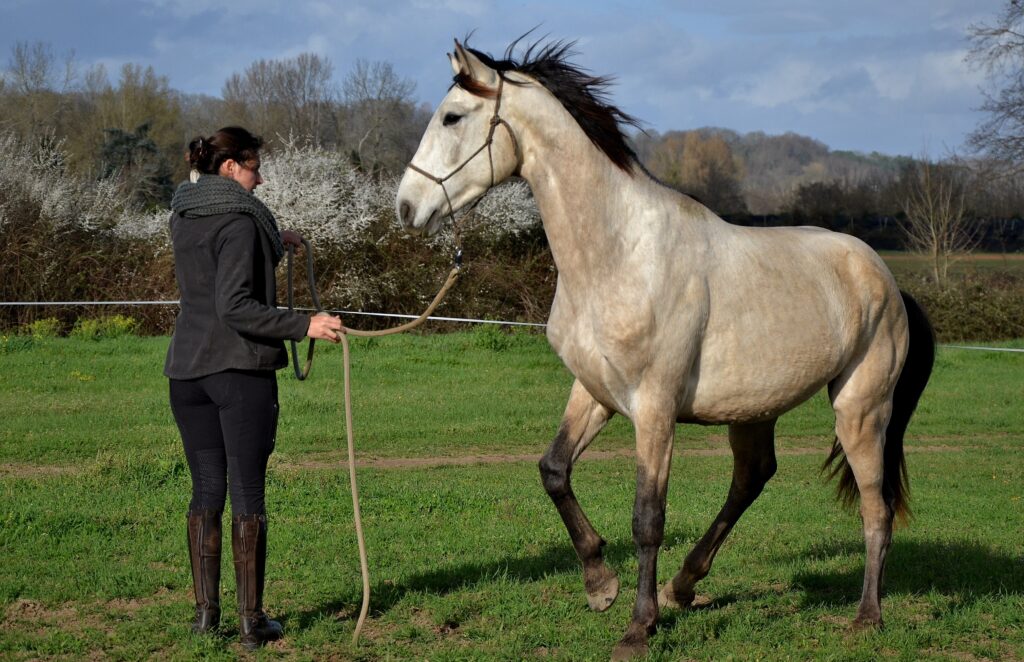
[(936, 220), (293, 96), (135, 160), (700, 164), (38, 85), (379, 111), (998, 49)]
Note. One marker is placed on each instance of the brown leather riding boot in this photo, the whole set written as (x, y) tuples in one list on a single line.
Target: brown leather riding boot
[(249, 544), (204, 535)]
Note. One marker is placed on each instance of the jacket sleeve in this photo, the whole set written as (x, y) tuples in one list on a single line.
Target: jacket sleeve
[(237, 305)]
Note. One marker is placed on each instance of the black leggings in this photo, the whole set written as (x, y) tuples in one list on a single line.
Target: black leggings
[(227, 421)]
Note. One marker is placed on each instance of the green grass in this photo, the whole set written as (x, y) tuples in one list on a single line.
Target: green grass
[(905, 264), (473, 562)]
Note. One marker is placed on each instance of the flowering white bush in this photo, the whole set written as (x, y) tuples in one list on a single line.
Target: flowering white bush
[(88, 241), (508, 209), (320, 195), (34, 174)]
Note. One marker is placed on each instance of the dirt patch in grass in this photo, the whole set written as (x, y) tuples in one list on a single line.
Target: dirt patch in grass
[(22, 614), (334, 460), (25, 470)]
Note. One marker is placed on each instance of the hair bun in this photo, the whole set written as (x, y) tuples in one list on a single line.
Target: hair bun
[(198, 152)]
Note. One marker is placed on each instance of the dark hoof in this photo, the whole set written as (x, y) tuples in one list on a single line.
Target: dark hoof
[(602, 588), (669, 598), (633, 644)]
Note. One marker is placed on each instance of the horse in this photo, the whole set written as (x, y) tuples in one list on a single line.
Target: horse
[(665, 313)]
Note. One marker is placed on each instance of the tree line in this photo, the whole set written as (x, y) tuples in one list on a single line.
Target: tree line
[(131, 129), (134, 127)]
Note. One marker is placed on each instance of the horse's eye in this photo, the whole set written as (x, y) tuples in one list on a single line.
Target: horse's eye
[(451, 118)]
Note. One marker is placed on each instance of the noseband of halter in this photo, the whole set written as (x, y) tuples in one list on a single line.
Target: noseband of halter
[(496, 119)]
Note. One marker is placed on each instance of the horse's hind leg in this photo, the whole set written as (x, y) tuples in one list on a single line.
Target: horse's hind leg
[(753, 452), (862, 406), (584, 418)]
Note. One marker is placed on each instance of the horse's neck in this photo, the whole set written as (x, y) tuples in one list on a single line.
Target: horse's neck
[(593, 212), (583, 199)]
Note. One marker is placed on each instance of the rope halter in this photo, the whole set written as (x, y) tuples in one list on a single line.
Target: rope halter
[(496, 120)]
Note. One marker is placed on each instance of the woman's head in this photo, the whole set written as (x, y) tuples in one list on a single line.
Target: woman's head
[(231, 152)]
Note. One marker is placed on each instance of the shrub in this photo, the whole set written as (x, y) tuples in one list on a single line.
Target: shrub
[(115, 326), (47, 327), (490, 336), (974, 309)]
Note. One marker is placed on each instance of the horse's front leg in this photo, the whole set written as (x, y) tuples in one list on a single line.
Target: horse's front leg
[(655, 430), (584, 417)]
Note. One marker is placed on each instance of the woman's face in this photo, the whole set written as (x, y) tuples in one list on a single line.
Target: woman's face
[(247, 174)]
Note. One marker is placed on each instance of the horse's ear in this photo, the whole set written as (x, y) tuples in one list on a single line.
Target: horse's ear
[(464, 62), (453, 59)]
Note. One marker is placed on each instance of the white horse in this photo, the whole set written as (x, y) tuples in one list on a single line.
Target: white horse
[(664, 313)]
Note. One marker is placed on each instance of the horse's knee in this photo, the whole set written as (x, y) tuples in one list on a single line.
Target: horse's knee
[(554, 474)]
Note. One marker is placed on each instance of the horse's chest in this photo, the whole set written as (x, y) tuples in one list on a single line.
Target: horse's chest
[(607, 355)]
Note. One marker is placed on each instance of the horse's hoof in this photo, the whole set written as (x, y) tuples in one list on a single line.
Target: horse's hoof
[(669, 599), (866, 623), (601, 596), (624, 651)]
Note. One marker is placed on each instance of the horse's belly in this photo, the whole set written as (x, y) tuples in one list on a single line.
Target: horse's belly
[(751, 391)]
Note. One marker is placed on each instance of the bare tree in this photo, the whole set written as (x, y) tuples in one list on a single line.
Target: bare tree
[(937, 224), (291, 96), (378, 104), (998, 49), (39, 84)]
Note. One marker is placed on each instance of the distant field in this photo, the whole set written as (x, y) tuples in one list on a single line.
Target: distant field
[(471, 561), (901, 262)]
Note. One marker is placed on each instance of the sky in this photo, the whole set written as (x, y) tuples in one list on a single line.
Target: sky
[(872, 75)]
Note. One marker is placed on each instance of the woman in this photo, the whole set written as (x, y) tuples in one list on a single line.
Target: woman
[(227, 345)]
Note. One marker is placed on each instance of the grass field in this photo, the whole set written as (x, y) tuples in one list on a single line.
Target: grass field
[(903, 263), (469, 560)]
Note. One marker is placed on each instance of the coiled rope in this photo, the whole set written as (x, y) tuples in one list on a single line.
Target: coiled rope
[(302, 373)]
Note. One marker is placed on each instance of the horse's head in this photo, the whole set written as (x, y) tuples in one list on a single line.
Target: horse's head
[(466, 149)]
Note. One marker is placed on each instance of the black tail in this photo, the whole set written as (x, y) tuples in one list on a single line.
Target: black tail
[(909, 386)]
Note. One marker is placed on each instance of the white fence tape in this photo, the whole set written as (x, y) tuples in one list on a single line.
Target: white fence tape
[(339, 312), (391, 315)]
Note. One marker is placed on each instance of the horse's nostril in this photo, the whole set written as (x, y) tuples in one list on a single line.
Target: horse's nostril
[(405, 213)]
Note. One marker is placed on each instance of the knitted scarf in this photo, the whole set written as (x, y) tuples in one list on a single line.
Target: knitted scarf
[(212, 194)]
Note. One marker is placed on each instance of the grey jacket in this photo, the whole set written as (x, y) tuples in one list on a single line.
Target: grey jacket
[(228, 319)]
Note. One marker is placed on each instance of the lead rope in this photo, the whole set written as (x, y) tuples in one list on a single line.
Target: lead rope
[(453, 275), (301, 374)]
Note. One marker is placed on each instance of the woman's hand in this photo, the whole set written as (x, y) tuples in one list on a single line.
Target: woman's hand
[(291, 238), (325, 327)]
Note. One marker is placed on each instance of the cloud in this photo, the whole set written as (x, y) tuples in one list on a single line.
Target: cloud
[(875, 74)]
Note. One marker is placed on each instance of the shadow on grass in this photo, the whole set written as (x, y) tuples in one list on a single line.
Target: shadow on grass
[(965, 570), (554, 560)]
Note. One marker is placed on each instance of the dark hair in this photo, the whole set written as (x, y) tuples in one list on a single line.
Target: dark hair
[(232, 142), (583, 95)]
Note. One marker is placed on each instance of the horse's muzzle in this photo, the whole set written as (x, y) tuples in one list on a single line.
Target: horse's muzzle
[(415, 222)]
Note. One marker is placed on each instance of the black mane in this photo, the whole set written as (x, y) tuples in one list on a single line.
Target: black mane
[(583, 95)]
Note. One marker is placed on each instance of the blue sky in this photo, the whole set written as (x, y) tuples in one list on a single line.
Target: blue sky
[(871, 75)]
